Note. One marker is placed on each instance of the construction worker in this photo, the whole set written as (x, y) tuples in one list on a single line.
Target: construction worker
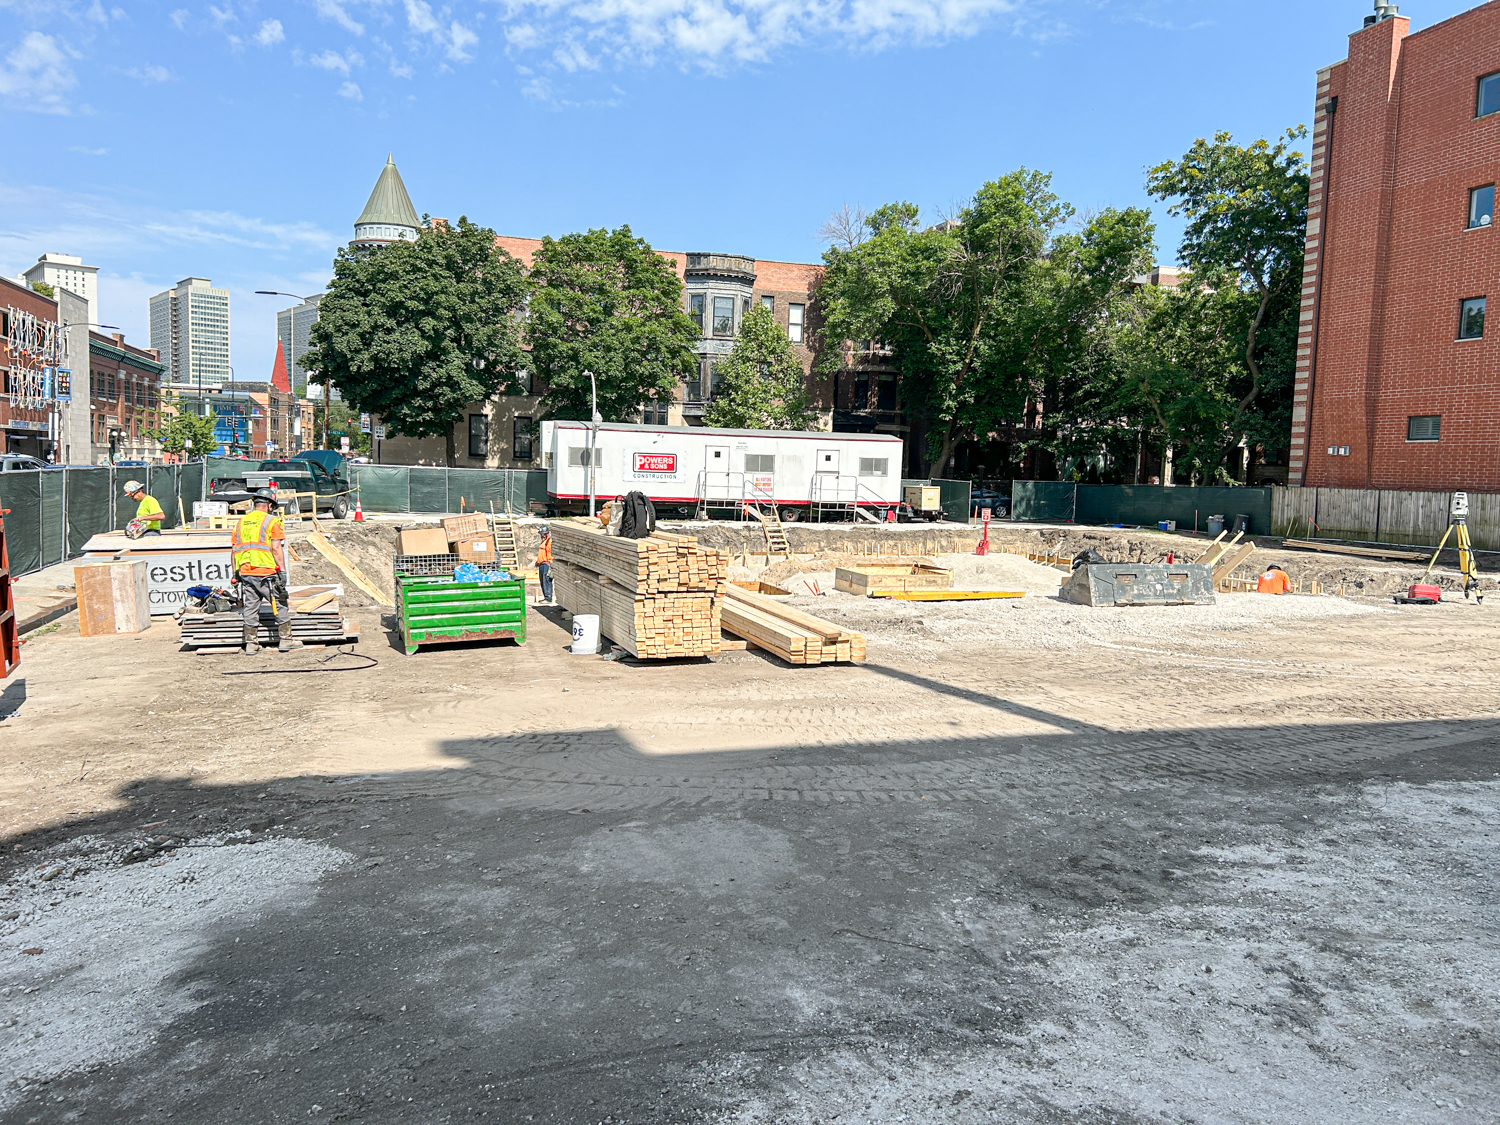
[(1273, 581), (258, 553), (148, 513), (544, 565)]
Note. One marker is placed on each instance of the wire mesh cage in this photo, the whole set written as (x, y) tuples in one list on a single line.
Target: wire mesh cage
[(426, 564)]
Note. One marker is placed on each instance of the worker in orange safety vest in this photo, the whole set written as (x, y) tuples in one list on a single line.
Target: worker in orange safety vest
[(1273, 581), (544, 565), (258, 551)]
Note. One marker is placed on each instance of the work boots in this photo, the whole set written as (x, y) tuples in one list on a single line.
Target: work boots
[(251, 647), (289, 644)]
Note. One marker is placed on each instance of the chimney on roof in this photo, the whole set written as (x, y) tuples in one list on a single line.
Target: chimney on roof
[(1383, 12)]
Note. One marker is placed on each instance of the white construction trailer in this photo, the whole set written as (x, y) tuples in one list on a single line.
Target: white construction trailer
[(691, 470)]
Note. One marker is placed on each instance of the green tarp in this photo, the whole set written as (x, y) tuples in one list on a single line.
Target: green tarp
[(88, 505), (21, 492), (1138, 505), (414, 488), (1045, 501), (52, 533), (382, 488)]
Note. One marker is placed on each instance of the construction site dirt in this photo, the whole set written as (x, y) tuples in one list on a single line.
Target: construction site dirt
[(1030, 863)]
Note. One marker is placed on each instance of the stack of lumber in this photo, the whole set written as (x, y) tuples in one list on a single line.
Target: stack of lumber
[(316, 619), (657, 597), (796, 637)]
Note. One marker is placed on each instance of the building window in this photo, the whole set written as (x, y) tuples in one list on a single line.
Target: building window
[(1481, 206), (654, 414), (769, 304), (695, 310), (477, 436), (715, 380), (885, 393), (1424, 427), (760, 462), (794, 323), (1471, 319), (1489, 95), (873, 466), (520, 438), (723, 316)]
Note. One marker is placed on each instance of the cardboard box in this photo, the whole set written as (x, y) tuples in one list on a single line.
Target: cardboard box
[(112, 598), (422, 541), (923, 498), (465, 527), (481, 550)]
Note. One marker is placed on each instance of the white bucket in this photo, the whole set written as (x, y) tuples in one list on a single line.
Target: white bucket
[(585, 634)]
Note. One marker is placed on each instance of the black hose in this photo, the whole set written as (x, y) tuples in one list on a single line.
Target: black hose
[(322, 660)]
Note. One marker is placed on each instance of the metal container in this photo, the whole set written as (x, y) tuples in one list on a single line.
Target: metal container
[(437, 610)]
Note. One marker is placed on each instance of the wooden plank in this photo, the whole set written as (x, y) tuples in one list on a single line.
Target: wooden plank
[(826, 629), (308, 605), (1368, 552), (1224, 570), (1212, 549), (353, 573), (945, 595)]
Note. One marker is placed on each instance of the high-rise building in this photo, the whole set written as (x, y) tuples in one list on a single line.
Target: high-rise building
[(388, 215), (293, 326), (190, 329), (64, 271)]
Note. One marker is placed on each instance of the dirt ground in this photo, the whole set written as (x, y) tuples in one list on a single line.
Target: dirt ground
[(1032, 863)]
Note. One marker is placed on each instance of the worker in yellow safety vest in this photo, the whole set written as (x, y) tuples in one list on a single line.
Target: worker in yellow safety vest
[(258, 552)]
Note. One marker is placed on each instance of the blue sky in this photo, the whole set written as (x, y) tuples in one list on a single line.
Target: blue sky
[(238, 139)]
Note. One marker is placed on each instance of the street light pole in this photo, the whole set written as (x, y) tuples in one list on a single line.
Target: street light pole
[(593, 436), (327, 394)]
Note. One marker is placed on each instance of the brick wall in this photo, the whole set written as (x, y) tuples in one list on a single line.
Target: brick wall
[(1390, 258)]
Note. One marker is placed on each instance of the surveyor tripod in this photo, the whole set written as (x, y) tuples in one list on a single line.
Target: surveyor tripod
[(1459, 529)]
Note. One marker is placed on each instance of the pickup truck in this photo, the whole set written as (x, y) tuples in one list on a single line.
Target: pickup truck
[(302, 474)]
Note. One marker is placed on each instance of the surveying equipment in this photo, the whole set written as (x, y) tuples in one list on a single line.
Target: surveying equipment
[(1430, 593)]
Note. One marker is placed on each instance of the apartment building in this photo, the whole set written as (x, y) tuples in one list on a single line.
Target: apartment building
[(190, 330)]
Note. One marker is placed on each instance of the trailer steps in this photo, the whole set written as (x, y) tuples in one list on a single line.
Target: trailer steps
[(770, 522)]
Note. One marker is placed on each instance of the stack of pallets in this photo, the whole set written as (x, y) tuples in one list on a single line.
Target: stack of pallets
[(657, 597), (316, 619), (796, 637)]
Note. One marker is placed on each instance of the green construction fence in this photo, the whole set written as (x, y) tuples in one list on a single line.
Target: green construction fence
[(1139, 505)]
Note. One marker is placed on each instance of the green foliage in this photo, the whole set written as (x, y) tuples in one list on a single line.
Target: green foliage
[(344, 422), (1246, 208), (987, 314), (417, 331), (605, 302), (184, 427), (762, 387), (43, 288)]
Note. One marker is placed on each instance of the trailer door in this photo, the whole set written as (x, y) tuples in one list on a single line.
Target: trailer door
[(826, 476), (716, 473)]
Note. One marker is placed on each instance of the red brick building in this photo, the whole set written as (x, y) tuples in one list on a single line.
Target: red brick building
[(1398, 375), (25, 349)]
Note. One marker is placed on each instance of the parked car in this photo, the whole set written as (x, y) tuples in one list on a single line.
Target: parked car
[(302, 474), (21, 462), (997, 502)]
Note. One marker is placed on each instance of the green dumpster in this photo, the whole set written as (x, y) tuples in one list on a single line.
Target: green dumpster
[(438, 610)]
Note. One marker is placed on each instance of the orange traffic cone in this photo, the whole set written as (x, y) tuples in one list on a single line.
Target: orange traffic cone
[(359, 512)]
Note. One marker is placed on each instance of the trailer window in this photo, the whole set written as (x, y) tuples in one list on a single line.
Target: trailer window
[(578, 455), (873, 466), (760, 462)]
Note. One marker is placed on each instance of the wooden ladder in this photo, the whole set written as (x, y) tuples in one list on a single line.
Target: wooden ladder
[(507, 553), (770, 522)]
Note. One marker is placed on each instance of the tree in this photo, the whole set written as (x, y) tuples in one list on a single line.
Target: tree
[(43, 288), (1246, 208), (761, 384), (182, 428), (417, 331), (343, 422), (605, 302)]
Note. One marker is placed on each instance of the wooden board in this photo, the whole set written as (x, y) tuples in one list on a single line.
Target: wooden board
[(794, 636), (865, 580), (657, 564), (946, 595), (353, 573), (1368, 552), (113, 598), (650, 627), (1223, 570)]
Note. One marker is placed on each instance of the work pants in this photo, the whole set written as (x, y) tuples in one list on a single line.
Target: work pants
[(544, 576), (256, 589)]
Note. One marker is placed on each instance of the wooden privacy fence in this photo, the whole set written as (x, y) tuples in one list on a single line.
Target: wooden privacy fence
[(1367, 515)]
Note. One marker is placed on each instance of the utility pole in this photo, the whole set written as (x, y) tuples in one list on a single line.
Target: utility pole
[(593, 436)]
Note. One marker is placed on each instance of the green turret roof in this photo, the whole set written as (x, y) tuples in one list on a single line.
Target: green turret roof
[(389, 202)]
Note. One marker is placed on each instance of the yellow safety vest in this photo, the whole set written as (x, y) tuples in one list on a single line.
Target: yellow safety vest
[(250, 544)]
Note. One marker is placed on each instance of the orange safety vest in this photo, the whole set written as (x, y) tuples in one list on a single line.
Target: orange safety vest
[(544, 552), (250, 544)]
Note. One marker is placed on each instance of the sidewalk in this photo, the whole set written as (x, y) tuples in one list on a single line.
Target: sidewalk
[(44, 595)]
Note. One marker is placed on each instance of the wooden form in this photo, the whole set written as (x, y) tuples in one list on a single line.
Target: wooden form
[(865, 581), (658, 564), (1226, 568), (1218, 550), (353, 573), (112, 598), (794, 636), (648, 626)]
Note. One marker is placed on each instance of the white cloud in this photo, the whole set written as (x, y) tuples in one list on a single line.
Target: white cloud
[(713, 33), (36, 74), (219, 17), (333, 11), (89, 151), (150, 73), (350, 90), (332, 60), (455, 39), (401, 69), (179, 18), (270, 34)]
